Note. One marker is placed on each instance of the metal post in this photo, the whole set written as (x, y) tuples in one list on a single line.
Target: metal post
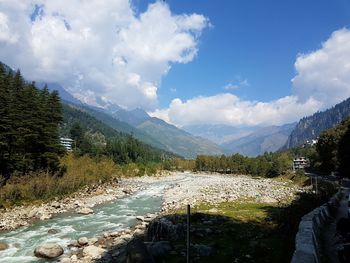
[(188, 232)]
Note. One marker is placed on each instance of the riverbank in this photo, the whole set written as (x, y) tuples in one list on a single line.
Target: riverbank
[(174, 189), (197, 188)]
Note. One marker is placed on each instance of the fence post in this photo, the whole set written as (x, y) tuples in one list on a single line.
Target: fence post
[(188, 232)]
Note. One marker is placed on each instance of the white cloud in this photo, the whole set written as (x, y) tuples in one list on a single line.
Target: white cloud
[(227, 108), (325, 73), (98, 47), (322, 80), (6, 36)]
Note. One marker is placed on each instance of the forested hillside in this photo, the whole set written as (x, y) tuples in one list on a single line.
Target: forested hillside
[(95, 138), (311, 127), (29, 118)]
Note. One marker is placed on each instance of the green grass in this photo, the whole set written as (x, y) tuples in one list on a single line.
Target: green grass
[(246, 231)]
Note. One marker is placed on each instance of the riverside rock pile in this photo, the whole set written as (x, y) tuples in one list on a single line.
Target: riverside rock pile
[(214, 189)]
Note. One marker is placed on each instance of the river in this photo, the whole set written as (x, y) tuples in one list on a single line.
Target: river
[(113, 216)]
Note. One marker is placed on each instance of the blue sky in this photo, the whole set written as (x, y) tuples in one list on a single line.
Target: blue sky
[(254, 40), (240, 63)]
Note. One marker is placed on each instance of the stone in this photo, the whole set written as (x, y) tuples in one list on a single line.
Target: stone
[(49, 250), (138, 232), (85, 211), (45, 216), (53, 231), (3, 246), (93, 251), (114, 234), (141, 218), (93, 240), (65, 260), (55, 204), (82, 241), (74, 258), (137, 252), (159, 249)]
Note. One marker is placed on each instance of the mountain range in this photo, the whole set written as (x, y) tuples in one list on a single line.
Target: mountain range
[(190, 141), (311, 127)]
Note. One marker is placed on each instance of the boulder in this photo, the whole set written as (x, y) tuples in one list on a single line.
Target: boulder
[(3, 246), (53, 231), (137, 252), (83, 241), (159, 249), (93, 251), (141, 218), (85, 211), (49, 250)]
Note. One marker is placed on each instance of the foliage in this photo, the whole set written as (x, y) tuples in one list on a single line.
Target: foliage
[(81, 171), (269, 164), (333, 149), (29, 118), (95, 138)]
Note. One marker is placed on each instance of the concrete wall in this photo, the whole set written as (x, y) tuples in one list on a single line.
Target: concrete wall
[(307, 240)]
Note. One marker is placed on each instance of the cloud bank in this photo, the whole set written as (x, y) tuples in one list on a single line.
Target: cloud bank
[(98, 47), (322, 80)]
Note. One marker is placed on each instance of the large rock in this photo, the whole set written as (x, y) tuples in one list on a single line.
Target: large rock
[(93, 251), (137, 252), (49, 250), (3, 246), (85, 211), (159, 249), (83, 241)]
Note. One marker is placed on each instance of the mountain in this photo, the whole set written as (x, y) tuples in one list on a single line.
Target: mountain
[(266, 139), (73, 114), (118, 125), (178, 141), (219, 133), (169, 137), (311, 127)]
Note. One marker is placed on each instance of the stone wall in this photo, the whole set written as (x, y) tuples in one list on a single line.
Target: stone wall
[(307, 240)]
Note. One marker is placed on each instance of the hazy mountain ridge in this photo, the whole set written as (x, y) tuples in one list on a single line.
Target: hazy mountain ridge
[(265, 139), (312, 126)]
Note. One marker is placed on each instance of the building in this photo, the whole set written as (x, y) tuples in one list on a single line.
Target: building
[(67, 143), (300, 163)]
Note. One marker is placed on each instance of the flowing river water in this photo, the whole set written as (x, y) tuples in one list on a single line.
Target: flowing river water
[(113, 216)]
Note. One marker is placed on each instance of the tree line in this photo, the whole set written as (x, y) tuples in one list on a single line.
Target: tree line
[(29, 119), (333, 150), (269, 164)]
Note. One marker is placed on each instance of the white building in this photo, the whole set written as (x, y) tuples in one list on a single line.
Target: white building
[(67, 143), (300, 163)]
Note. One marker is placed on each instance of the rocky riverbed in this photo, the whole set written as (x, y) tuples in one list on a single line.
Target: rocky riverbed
[(183, 188)]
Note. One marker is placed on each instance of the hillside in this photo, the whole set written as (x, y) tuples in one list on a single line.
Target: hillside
[(177, 140), (167, 136), (311, 127), (266, 139), (73, 114)]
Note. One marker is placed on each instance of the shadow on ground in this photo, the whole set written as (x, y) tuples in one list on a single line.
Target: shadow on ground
[(230, 232)]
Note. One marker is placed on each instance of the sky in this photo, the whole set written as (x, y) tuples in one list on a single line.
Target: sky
[(234, 62)]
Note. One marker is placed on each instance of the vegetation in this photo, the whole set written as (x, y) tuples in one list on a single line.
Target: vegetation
[(269, 164), (40, 186), (29, 120), (246, 231), (94, 138), (333, 149)]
